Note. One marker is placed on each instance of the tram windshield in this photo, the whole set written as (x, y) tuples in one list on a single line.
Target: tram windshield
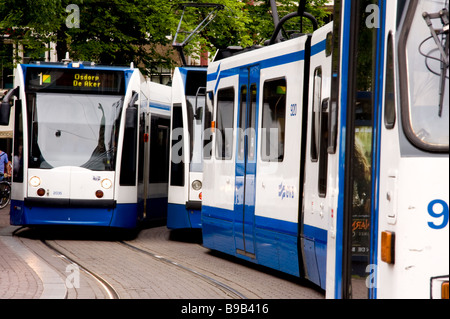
[(74, 130), (195, 126), (427, 63)]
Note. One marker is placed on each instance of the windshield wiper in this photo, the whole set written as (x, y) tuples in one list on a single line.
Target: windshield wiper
[(100, 161), (443, 47)]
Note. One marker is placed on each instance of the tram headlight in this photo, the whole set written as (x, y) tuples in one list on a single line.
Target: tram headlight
[(35, 181), (106, 183), (196, 185)]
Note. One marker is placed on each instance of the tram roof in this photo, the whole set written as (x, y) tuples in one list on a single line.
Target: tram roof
[(77, 65)]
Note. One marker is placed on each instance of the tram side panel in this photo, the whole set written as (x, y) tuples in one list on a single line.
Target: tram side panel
[(279, 190), (178, 157), (126, 182), (154, 147), (186, 167), (271, 236), (20, 175), (157, 192), (413, 182), (219, 170), (318, 187)]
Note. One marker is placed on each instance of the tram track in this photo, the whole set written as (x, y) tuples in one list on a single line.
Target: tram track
[(211, 281), (156, 264), (106, 286), (108, 290)]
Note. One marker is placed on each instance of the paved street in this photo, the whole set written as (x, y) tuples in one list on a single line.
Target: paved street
[(175, 266)]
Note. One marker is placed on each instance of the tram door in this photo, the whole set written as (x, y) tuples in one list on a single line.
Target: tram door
[(246, 160), (144, 157), (359, 102)]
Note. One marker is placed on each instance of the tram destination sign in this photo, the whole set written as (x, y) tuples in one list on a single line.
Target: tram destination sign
[(63, 80)]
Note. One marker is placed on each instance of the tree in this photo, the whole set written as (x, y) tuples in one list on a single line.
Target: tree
[(119, 31), (262, 25), (33, 23), (109, 32), (246, 22), (228, 27)]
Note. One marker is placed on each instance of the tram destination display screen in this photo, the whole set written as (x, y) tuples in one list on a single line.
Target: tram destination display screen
[(62, 80)]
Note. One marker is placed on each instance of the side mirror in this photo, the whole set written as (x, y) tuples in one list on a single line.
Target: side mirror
[(131, 117), (201, 91), (134, 98), (5, 108), (131, 112)]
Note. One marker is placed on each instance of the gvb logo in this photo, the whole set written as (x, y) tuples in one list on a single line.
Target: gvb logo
[(73, 277), (371, 280)]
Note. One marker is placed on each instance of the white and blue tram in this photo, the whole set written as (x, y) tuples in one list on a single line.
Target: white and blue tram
[(330, 152), (91, 145), (186, 155)]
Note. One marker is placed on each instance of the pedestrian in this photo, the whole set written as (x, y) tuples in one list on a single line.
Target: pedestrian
[(3, 161)]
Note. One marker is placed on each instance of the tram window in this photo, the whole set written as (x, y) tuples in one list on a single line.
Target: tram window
[(389, 90), (143, 128), (18, 144), (194, 79), (141, 147), (129, 151), (423, 77), (273, 120), (247, 129), (241, 128), (252, 123), (159, 150), (323, 144), (207, 133), (177, 164), (225, 121), (190, 101), (329, 44), (317, 96), (68, 129)]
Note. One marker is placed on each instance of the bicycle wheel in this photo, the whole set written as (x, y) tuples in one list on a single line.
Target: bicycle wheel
[(5, 194)]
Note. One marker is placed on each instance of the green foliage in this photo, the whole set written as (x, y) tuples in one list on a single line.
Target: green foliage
[(228, 28), (262, 25), (33, 23), (119, 31)]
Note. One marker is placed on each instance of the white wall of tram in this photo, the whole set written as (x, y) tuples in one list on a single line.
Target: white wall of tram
[(408, 185)]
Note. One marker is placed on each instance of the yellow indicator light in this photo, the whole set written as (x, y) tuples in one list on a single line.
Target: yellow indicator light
[(444, 293), (388, 247)]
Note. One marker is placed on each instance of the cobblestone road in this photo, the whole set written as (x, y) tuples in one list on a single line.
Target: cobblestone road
[(134, 275)]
